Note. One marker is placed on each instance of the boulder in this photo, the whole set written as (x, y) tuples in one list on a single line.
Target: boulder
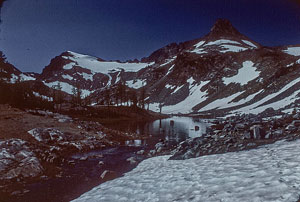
[(48, 135), (296, 123), (108, 175), (132, 160), (291, 128), (247, 135), (258, 132), (17, 160)]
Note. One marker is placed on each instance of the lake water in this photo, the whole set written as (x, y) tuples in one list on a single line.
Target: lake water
[(84, 175), (175, 129)]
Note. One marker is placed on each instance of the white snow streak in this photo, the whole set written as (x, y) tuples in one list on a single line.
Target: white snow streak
[(251, 108), (220, 102), (249, 43), (242, 101), (221, 42), (196, 96)]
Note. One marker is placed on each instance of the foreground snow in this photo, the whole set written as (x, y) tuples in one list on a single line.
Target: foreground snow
[(270, 173)]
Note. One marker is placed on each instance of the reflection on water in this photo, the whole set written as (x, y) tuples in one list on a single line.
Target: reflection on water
[(137, 143), (174, 129)]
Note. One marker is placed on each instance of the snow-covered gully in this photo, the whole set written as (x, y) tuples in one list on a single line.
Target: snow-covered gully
[(268, 173)]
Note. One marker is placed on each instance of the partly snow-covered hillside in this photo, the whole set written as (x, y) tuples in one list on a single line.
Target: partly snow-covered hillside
[(72, 69), (269, 173), (221, 73)]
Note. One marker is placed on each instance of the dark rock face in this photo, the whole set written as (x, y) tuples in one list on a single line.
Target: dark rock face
[(223, 28)]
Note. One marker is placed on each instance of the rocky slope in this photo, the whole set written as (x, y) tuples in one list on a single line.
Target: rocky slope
[(36, 145), (221, 73)]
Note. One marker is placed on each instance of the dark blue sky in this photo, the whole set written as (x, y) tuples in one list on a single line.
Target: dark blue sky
[(34, 31)]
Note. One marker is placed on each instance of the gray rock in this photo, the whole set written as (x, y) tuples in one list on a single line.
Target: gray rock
[(108, 175), (132, 160), (240, 127), (17, 160), (251, 144), (141, 152), (247, 135), (296, 123), (269, 135), (278, 133), (291, 128), (47, 135), (258, 132)]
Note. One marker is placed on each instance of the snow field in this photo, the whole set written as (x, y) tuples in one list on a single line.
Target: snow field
[(97, 66), (269, 173), (245, 74)]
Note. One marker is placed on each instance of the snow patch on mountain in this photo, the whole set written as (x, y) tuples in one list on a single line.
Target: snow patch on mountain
[(43, 96), (95, 65), (69, 65), (293, 51), (197, 45), (220, 102), (232, 48), (269, 173), (221, 42), (14, 78), (67, 88), (67, 77), (279, 104), (168, 61), (195, 96), (170, 70), (245, 74), (177, 89), (249, 43), (255, 109), (24, 77), (86, 76), (136, 84), (240, 102)]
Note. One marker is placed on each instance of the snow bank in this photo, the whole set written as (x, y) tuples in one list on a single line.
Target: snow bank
[(269, 173), (293, 51), (246, 73)]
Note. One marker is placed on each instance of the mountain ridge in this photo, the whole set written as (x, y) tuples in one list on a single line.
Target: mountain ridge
[(207, 74)]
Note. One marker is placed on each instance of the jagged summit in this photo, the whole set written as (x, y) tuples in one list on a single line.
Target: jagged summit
[(224, 28)]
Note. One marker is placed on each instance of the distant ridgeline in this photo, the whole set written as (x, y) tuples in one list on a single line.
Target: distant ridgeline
[(223, 72)]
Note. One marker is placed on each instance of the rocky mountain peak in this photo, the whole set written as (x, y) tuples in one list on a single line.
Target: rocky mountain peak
[(223, 27)]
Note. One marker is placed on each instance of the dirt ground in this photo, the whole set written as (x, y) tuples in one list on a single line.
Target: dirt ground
[(14, 123)]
